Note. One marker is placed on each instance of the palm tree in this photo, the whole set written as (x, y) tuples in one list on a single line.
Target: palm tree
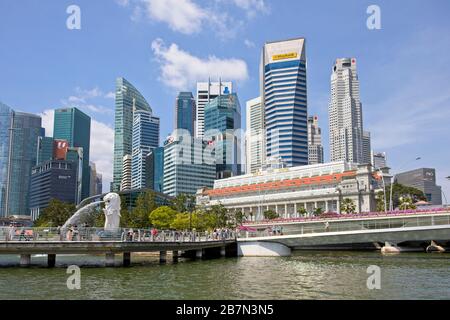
[(348, 206), (406, 203), (302, 211)]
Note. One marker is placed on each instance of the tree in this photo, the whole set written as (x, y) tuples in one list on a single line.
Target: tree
[(56, 214), (145, 203), (239, 218), (348, 206), (380, 201), (400, 190), (184, 203), (406, 203), (318, 211), (270, 215), (220, 215), (162, 217), (184, 221), (302, 211)]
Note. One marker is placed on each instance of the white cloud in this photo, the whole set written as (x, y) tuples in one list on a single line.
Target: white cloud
[(123, 3), (101, 148), (181, 15), (252, 7), (181, 70), (110, 95), (249, 43), (81, 100)]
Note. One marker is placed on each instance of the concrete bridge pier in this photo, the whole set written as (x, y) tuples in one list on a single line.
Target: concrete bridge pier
[(223, 251), (175, 256), (162, 257), (25, 260), (199, 254), (51, 260), (110, 259), (126, 259)]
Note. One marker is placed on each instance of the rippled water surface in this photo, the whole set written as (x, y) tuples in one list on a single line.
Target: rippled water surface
[(305, 275)]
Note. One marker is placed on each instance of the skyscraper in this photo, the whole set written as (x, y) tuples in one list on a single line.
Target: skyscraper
[(315, 147), (223, 114), (185, 112), (367, 147), (24, 132), (255, 145), (96, 180), (345, 115), (155, 169), (5, 125), (145, 139), (379, 160), (125, 184), (423, 179), (284, 97), (207, 91), (128, 99), (74, 126)]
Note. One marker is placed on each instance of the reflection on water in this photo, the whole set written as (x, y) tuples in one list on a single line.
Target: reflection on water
[(305, 275)]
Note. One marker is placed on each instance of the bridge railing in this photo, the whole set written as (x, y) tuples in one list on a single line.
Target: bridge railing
[(8, 234), (342, 226)]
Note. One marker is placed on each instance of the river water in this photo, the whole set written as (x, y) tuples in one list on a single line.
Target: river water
[(305, 275)]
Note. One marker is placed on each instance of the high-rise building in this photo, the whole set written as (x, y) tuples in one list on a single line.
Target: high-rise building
[(348, 141), (74, 126), (24, 132), (5, 125), (223, 116), (255, 145), (379, 160), (52, 179), (367, 147), (315, 147), (185, 168), (155, 169), (207, 91), (44, 149), (128, 99), (423, 179), (96, 180), (185, 112), (76, 156), (126, 173), (145, 138), (284, 97), (99, 183)]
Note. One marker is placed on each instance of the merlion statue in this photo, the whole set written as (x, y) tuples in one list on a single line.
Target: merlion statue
[(112, 211)]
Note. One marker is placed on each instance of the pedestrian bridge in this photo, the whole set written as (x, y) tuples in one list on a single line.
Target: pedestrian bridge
[(51, 241), (412, 230)]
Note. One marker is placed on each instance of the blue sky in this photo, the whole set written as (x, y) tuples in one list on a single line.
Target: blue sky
[(165, 46)]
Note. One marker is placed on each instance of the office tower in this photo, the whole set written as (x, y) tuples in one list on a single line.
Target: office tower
[(24, 132), (423, 179), (99, 183), (207, 91), (96, 180), (145, 138), (223, 115), (345, 115), (185, 168), (126, 173), (5, 125), (185, 112), (255, 145), (155, 169), (74, 126), (76, 156), (378, 159), (367, 147), (128, 99), (52, 179), (315, 147), (284, 97), (44, 149)]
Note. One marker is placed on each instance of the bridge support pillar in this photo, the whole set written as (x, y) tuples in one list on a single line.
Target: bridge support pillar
[(110, 259), (175, 256), (162, 256), (25, 260), (199, 253), (223, 251), (51, 260), (126, 259)]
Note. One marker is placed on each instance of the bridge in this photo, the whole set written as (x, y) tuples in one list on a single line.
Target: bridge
[(52, 241), (412, 229)]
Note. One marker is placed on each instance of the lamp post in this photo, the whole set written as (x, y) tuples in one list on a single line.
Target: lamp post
[(391, 204)]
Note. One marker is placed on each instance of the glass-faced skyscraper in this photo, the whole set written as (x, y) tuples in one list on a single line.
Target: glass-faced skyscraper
[(185, 112), (128, 99), (24, 132), (145, 138), (5, 123), (74, 126), (284, 97), (222, 117)]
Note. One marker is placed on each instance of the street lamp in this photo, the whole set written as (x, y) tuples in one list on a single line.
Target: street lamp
[(391, 204)]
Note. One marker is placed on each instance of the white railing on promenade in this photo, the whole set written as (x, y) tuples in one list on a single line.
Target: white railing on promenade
[(8, 234)]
